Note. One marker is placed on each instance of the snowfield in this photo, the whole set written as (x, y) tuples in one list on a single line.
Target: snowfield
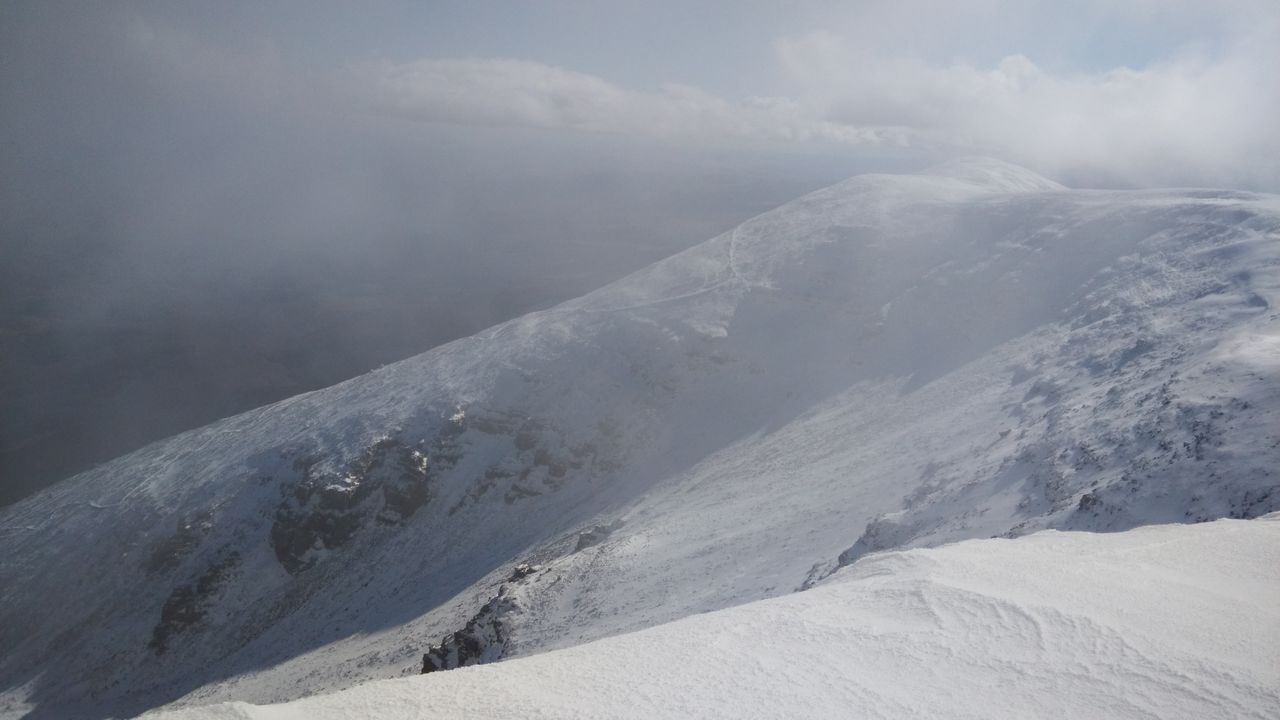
[(894, 362), (1164, 621)]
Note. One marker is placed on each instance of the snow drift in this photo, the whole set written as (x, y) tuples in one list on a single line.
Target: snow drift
[(1164, 621), (896, 361)]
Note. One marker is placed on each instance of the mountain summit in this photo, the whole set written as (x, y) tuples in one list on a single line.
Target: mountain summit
[(895, 361)]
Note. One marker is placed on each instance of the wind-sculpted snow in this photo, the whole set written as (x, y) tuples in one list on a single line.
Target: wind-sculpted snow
[(894, 361), (1160, 622)]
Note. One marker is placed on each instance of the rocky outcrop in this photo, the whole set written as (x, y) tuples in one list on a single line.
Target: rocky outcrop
[(595, 535), (485, 636), (539, 459), (188, 604), (1121, 438), (386, 485)]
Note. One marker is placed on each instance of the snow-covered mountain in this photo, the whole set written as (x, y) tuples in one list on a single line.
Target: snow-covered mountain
[(892, 362), (1169, 621)]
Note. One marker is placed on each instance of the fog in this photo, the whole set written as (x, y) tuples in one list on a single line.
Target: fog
[(176, 252), (211, 207)]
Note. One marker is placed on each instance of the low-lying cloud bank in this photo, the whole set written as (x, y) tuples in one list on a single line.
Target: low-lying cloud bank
[(524, 93), (1203, 114), (1197, 116)]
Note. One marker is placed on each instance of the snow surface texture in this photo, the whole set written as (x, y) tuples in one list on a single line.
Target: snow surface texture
[(893, 362), (1169, 621)]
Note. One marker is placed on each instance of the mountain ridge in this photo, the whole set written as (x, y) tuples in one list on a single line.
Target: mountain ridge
[(999, 357)]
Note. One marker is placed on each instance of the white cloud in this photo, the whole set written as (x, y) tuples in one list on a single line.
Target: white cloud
[(1195, 116), (1201, 114), (523, 93)]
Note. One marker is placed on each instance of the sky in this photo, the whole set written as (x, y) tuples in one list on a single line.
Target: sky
[(1126, 91), (209, 206), (1134, 91)]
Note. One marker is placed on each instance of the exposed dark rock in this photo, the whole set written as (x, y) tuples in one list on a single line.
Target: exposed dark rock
[(483, 639), (595, 535), (387, 484), (522, 571), (1088, 470), (485, 636), (817, 573), (1089, 502), (539, 460), (187, 604), (882, 533)]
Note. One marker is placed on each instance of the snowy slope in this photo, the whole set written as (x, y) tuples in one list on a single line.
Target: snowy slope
[(1170, 621), (895, 361)]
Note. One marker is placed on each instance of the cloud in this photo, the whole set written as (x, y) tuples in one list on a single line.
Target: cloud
[(1179, 105), (1198, 115), (503, 92)]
